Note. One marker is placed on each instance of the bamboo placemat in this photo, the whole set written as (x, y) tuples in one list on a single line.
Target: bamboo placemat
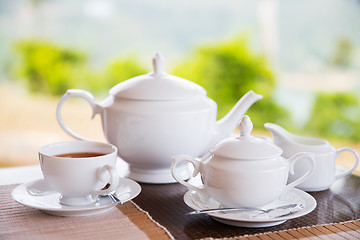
[(158, 213), (344, 230), (126, 221), (339, 204)]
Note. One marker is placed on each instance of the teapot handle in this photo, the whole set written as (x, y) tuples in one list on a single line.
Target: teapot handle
[(197, 169), (76, 93), (293, 160)]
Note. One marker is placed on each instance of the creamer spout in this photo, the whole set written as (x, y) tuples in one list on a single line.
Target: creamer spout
[(279, 134), (292, 144)]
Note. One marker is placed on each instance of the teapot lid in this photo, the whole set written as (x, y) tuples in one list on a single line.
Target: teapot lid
[(245, 146), (157, 85)]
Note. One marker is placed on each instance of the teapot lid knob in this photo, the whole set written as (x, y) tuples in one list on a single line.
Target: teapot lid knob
[(245, 126), (158, 63)]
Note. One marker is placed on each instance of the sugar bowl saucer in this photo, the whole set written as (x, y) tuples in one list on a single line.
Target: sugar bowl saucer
[(245, 219), (43, 198)]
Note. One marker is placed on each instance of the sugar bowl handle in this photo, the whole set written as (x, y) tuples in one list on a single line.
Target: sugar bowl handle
[(197, 169)]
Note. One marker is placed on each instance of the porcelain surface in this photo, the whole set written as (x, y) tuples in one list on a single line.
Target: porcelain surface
[(79, 180), (42, 197), (325, 158), (248, 219), (244, 171), (155, 116)]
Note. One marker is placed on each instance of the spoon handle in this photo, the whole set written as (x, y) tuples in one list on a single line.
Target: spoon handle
[(211, 210), (115, 199)]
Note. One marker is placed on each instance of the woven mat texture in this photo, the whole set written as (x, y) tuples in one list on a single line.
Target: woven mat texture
[(335, 217), (165, 204), (123, 222)]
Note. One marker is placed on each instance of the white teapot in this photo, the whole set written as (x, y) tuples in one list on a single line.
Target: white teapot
[(152, 117), (244, 171)]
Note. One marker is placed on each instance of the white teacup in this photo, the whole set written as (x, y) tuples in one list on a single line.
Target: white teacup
[(79, 170), (324, 173)]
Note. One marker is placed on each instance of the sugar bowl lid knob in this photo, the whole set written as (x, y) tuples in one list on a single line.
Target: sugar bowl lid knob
[(245, 146)]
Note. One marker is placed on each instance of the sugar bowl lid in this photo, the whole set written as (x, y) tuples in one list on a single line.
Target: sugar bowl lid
[(157, 85), (245, 146)]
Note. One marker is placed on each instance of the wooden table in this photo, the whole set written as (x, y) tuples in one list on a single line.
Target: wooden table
[(164, 203)]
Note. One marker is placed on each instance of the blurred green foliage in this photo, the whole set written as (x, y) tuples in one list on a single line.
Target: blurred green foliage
[(230, 69), (122, 69), (226, 70), (47, 68), (335, 115), (51, 69), (343, 53), (115, 71)]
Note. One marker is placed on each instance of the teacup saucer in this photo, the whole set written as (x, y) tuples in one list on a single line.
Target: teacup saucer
[(46, 200), (246, 219)]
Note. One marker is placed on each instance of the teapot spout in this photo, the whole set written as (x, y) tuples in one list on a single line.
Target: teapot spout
[(227, 124)]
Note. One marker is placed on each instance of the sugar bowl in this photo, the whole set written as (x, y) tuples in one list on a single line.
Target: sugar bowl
[(244, 171)]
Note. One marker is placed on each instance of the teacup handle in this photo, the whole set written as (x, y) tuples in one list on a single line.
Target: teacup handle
[(197, 168), (114, 180), (76, 93), (347, 172), (293, 160)]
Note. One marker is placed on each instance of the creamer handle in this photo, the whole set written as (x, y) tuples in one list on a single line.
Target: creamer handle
[(76, 93), (197, 169), (347, 172), (293, 160)]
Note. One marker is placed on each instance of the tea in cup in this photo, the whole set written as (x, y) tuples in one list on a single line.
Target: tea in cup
[(325, 158), (79, 170)]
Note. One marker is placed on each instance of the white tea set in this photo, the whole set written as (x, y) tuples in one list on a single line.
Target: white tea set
[(247, 172), (152, 117), (159, 123)]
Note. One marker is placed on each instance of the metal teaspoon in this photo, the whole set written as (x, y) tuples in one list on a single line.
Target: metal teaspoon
[(244, 209)]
